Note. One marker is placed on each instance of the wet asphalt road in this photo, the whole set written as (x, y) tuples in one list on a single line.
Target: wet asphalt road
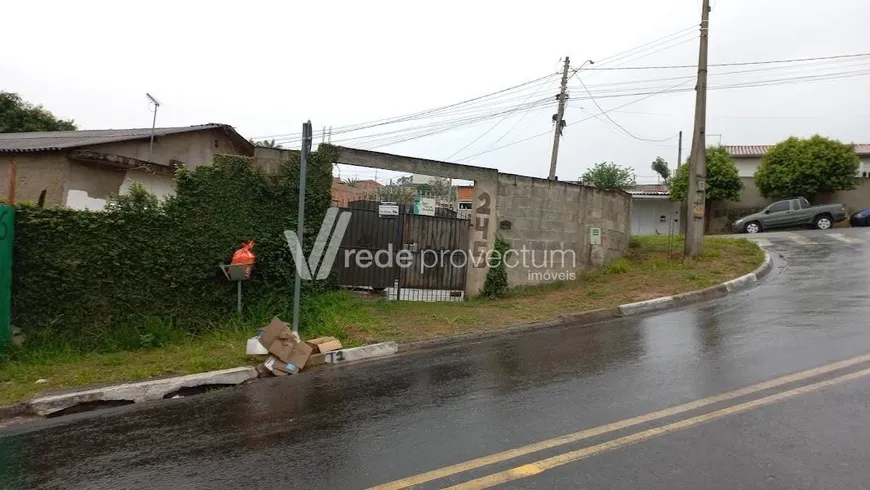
[(368, 424)]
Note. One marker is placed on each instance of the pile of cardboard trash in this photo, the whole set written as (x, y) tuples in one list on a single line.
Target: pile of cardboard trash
[(285, 353)]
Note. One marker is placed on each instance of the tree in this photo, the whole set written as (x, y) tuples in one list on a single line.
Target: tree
[(807, 167), (660, 166), (265, 144), (351, 182), (609, 176), (19, 116), (723, 181)]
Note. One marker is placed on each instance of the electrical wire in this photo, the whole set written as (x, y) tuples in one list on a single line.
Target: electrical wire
[(679, 42), (604, 113), (714, 74), (451, 123), (757, 83), (475, 140), (650, 44), (575, 122), (743, 63), (414, 115)]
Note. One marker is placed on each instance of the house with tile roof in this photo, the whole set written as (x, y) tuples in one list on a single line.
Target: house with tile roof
[(80, 169), (747, 158), (652, 211)]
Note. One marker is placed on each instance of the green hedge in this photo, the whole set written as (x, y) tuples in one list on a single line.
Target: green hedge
[(81, 272)]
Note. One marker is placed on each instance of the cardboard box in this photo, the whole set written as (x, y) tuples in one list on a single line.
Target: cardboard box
[(272, 331), (315, 360), (291, 352), (255, 348), (270, 365), (324, 344)]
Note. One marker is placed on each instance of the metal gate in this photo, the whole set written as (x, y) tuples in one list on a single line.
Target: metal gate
[(407, 257)]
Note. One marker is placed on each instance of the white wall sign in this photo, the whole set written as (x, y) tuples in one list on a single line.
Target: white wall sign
[(595, 236)]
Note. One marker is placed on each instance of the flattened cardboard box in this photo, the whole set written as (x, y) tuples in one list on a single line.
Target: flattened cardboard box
[(272, 331), (324, 344), (289, 352)]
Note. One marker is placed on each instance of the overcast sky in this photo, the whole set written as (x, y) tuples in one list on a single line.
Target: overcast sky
[(267, 66)]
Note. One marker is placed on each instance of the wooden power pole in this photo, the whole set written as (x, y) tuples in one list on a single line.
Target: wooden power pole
[(559, 115), (696, 192)]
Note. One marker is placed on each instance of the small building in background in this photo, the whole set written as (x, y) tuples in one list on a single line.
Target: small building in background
[(652, 211), (81, 169)]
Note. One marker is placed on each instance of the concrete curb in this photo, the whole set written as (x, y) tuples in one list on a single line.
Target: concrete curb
[(584, 318), (370, 351), (140, 391), (156, 389), (592, 316)]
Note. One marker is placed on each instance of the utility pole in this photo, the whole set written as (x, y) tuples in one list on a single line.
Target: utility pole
[(680, 149), (559, 115), (696, 192)]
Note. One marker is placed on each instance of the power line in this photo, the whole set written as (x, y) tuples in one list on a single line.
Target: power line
[(413, 115), (650, 44), (440, 126), (645, 55), (604, 113), (714, 74), (758, 83), (743, 63), (577, 122), (546, 82)]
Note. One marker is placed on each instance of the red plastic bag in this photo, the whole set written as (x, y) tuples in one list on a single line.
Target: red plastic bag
[(245, 255)]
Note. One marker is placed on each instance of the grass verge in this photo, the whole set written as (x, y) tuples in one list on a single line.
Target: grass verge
[(645, 272)]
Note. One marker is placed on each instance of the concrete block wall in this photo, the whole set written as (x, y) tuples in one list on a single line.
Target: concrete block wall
[(551, 220)]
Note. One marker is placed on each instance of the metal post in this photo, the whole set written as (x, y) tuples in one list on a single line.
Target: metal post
[(300, 214), (239, 297), (153, 125), (400, 228)]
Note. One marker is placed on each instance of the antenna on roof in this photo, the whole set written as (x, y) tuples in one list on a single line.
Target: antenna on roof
[(153, 123)]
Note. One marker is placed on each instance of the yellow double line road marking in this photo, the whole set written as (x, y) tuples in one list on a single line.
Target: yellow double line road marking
[(531, 469), (603, 429)]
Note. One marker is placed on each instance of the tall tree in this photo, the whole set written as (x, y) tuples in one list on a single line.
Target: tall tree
[(609, 176), (807, 167), (723, 181), (19, 116), (660, 166)]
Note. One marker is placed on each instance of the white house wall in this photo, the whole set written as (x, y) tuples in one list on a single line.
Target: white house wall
[(654, 216)]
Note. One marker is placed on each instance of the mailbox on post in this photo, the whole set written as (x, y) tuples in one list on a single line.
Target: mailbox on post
[(237, 273)]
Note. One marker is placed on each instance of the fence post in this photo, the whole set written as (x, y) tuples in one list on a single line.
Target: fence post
[(7, 235)]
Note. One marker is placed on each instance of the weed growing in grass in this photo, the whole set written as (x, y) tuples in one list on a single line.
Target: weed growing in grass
[(618, 266)]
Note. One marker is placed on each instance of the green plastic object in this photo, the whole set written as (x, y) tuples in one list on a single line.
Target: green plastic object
[(7, 236)]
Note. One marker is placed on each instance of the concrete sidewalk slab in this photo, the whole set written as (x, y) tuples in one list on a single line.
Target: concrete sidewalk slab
[(140, 391)]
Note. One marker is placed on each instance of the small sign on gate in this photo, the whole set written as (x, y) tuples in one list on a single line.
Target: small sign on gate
[(388, 210)]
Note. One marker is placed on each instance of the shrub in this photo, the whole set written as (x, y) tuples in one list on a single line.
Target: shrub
[(141, 263)]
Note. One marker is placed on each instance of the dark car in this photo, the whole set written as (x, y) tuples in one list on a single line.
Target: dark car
[(861, 218)]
